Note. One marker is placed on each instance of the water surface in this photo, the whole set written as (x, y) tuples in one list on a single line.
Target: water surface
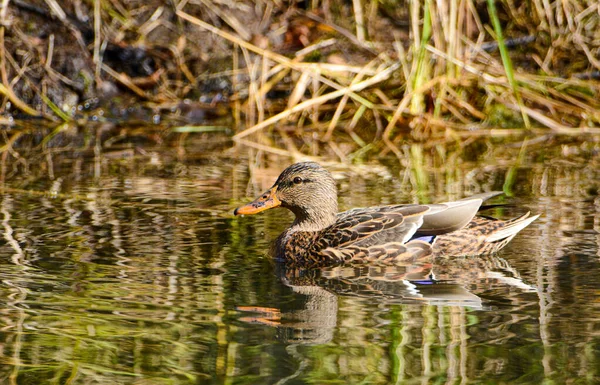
[(124, 265)]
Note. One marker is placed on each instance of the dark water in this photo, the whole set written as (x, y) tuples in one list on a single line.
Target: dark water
[(125, 266)]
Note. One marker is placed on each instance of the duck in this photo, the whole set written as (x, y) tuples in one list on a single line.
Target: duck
[(390, 234)]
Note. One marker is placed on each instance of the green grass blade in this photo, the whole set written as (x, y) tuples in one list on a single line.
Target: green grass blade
[(508, 67)]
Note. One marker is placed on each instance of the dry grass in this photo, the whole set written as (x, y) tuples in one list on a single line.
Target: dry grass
[(448, 79), (446, 70)]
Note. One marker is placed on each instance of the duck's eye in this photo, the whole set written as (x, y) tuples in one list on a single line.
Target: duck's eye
[(297, 180)]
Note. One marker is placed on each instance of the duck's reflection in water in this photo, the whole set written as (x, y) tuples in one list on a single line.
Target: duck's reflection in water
[(311, 318)]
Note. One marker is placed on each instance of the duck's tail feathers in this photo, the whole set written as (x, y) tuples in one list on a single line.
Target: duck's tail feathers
[(511, 228)]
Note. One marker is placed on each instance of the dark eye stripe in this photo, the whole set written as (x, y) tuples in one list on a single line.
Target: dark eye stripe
[(291, 183)]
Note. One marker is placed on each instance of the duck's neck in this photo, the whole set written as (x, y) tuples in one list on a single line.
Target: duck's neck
[(315, 218)]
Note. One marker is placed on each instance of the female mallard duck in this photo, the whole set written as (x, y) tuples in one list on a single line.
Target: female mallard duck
[(386, 234)]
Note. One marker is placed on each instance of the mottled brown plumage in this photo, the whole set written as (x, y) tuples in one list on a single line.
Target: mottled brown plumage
[(320, 235)]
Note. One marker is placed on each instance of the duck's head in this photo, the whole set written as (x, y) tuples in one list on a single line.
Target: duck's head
[(307, 189)]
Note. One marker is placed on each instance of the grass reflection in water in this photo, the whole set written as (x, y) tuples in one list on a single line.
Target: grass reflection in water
[(120, 271)]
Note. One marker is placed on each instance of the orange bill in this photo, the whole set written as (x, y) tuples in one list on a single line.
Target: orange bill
[(266, 201)]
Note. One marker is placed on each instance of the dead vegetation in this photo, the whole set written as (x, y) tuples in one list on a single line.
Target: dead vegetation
[(293, 72)]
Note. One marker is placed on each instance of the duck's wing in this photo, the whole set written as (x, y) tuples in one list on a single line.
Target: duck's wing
[(377, 234), (356, 227), (457, 215)]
